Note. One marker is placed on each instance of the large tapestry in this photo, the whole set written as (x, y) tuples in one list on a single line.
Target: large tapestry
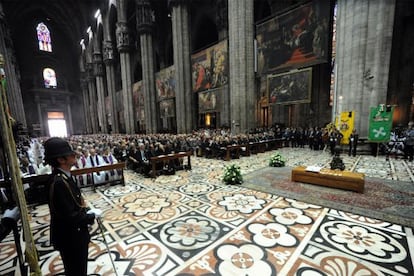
[(290, 87), (294, 39), (137, 94), (210, 67), (165, 83), (138, 100), (208, 101), (167, 108)]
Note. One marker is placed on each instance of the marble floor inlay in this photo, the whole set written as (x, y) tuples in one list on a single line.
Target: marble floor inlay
[(191, 223)]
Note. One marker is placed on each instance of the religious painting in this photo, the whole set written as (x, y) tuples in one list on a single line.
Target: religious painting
[(167, 108), (137, 94), (290, 87), (208, 101), (297, 38), (165, 81), (210, 67)]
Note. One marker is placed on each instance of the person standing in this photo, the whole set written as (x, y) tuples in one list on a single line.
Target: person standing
[(353, 142), (69, 218), (409, 142)]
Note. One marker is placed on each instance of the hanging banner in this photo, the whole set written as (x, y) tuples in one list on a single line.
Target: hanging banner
[(345, 124), (380, 123)]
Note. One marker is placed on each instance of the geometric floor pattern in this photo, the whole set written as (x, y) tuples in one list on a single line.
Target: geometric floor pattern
[(191, 223)]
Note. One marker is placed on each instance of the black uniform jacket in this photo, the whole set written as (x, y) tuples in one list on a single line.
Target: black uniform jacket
[(68, 218)]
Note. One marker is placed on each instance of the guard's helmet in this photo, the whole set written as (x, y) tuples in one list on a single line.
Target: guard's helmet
[(57, 147)]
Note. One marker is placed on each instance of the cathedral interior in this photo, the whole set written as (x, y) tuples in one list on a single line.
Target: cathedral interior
[(141, 67)]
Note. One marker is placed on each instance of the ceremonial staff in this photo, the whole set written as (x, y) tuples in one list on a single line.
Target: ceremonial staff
[(9, 146)]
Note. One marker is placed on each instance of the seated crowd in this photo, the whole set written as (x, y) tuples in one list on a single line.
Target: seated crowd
[(138, 149)]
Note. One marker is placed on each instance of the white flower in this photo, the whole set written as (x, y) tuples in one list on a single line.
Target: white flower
[(363, 241), (143, 206), (271, 234), (244, 260), (290, 216), (189, 231), (242, 203), (359, 240)]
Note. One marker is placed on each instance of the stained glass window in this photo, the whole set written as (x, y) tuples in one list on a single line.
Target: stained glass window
[(49, 78), (43, 37)]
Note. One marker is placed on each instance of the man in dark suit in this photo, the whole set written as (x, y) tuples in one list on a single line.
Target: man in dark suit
[(353, 143), (143, 159), (69, 218)]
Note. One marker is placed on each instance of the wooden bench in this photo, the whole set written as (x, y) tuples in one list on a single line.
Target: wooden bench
[(168, 157), (39, 183), (117, 166), (331, 178), (235, 149)]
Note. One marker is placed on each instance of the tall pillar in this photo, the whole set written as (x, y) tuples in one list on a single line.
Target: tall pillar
[(108, 57), (126, 75), (92, 98), (364, 40), (184, 106), (39, 114), (69, 112), (221, 19), (100, 89), (86, 111), (144, 27), (13, 90), (241, 60)]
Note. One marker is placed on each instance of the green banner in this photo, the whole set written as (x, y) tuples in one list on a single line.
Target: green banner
[(380, 123)]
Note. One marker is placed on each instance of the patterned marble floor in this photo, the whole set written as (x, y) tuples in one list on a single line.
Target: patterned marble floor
[(191, 224)]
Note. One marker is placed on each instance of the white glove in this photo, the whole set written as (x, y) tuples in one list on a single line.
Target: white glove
[(97, 212), (14, 213)]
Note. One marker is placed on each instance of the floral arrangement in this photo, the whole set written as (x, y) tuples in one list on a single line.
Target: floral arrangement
[(232, 175), (277, 160)]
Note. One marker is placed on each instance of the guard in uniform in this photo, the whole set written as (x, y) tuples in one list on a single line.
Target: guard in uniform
[(353, 143), (69, 218)]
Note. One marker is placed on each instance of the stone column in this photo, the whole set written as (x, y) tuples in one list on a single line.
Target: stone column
[(39, 114), (69, 113), (126, 74), (364, 40), (86, 111), (184, 106), (221, 18), (241, 64), (108, 57), (144, 26), (13, 90), (100, 89), (92, 98)]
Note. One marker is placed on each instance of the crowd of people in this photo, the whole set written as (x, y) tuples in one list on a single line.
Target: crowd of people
[(70, 215), (136, 150)]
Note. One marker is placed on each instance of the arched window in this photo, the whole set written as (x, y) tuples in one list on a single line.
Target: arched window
[(49, 78), (43, 37)]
